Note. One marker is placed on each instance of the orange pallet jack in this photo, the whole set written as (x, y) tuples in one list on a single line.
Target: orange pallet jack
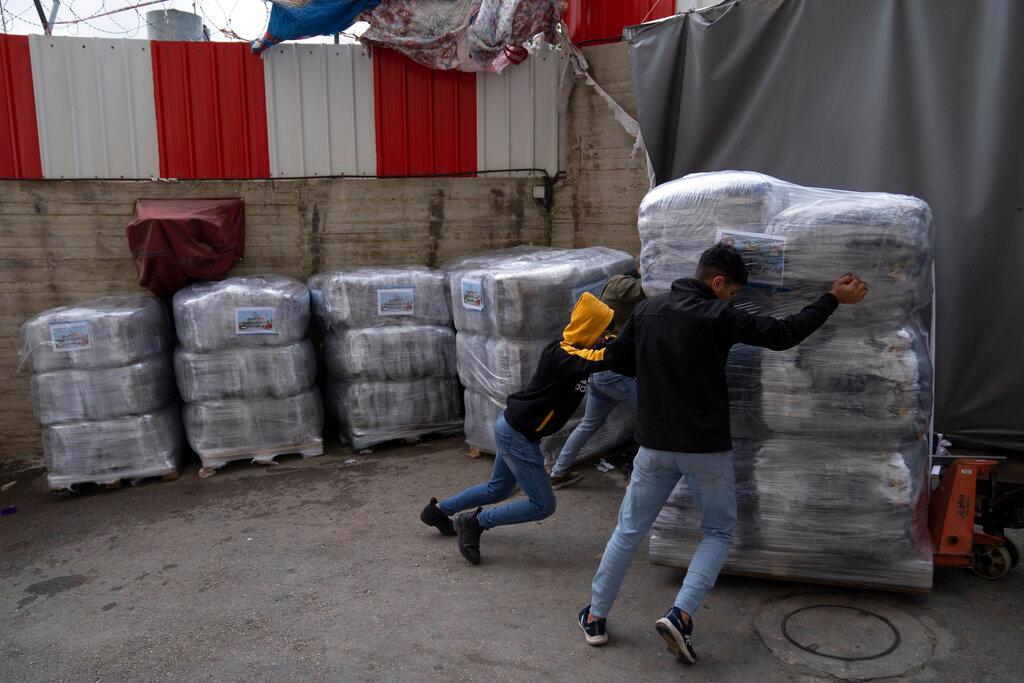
[(956, 509)]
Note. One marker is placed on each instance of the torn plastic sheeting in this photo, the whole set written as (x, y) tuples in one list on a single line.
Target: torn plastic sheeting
[(294, 20)]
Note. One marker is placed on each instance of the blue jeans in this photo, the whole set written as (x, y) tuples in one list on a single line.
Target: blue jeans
[(606, 390), (517, 460), (655, 473)]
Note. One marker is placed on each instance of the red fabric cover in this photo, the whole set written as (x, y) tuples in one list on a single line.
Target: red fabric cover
[(178, 241)]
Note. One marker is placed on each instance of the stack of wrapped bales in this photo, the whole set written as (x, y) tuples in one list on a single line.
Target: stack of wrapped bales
[(103, 390), (246, 370), (389, 349), (831, 437), (507, 305)]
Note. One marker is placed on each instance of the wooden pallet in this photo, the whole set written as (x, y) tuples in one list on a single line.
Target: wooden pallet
[(264, 456), (107, 484)]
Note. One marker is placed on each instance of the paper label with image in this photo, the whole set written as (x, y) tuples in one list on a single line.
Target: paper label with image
[(396, 301), (765, 255), (472, 295), (261, 320), (70, 336)]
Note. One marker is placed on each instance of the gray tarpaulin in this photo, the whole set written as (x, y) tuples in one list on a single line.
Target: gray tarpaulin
[(920, 97)]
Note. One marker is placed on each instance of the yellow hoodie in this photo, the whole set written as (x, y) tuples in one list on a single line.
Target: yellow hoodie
[(589, 320)]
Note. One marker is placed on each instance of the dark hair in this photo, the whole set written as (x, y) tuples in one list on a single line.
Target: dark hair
[(725, 260)]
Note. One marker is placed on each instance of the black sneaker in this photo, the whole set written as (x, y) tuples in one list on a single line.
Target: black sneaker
[(595, 631), (469, 530), (432, 516), (560, 481), (677, 633)]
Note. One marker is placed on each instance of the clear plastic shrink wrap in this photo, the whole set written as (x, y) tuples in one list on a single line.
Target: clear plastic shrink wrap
[(390, 352), (103, 390), (527, 292), (829, 438), (235, 313), (273, 372), (378, 354), (507, 305), (374, 412), (246, 370)]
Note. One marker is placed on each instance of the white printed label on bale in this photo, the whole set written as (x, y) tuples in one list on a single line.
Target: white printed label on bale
[(765, 255), (258, 320), (70, 335), (472, 295), (396, 301)]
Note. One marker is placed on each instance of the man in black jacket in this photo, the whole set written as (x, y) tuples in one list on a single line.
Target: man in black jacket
[(681, 341)]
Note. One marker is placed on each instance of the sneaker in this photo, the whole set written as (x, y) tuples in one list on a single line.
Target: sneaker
[(677, 633), (595, 631), (432, 516), (560, 481), (469, 530)]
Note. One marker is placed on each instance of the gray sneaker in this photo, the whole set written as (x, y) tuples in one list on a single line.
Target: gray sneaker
[(562, 480)]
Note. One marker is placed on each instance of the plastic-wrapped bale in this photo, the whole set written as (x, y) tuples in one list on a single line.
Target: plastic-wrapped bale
[(390, 353), (103, 394), (494, 366), (275, 372), (374, 412), (259, 429), (246, 369), (242, 312), (884, 238), (103, 451), (509, 304), (107, 332), (103, 390), (616, 430), (527, 292), (372, 297), (867, 389), (798, 523), (677, 220), (830, 486)]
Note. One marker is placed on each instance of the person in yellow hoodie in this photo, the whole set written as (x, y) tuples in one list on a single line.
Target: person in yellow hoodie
[(541, 409)]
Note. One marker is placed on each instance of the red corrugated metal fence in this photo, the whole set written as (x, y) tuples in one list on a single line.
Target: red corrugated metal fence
[(19, 139), (426, 120), (211, 110), (603, 20)]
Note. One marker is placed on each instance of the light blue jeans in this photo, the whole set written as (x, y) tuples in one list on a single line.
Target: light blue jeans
[(518, 460), (606, 390), (655, 473)]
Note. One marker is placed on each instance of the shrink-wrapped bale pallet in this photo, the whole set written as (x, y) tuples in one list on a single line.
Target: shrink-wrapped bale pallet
[(831, 437), (507, 305), (246, 370), (389, 349), (103, 390)]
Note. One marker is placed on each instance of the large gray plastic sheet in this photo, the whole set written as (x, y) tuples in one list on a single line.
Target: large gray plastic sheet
[(919, 97)]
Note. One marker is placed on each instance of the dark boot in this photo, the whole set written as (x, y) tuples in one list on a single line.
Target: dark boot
[(432, 516), (469, 530)]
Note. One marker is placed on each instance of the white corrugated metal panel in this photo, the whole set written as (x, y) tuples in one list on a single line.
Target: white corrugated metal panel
[(320, 110), (517, 120), (94, 107)]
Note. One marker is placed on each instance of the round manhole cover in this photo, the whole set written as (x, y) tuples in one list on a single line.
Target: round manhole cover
[(845, 636), (841, 632)]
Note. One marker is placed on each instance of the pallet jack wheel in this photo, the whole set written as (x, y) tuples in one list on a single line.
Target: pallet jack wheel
[(991, 561)]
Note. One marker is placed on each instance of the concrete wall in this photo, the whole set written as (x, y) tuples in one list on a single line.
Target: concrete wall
[(64, 242), (604, 185)]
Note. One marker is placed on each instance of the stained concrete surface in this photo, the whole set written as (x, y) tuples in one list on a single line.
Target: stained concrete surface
[(320, 570)]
